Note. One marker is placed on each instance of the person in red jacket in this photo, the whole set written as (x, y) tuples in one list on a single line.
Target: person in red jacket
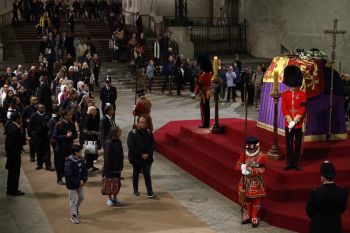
[(143, 108), (203, 89), (293, 110), (251, 187)]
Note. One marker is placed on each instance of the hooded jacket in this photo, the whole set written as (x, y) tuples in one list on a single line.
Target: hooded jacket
[(75, 171)]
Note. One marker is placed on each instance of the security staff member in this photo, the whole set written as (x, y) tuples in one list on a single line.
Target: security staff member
[(38, 130), (28, 111), (327, 203), (108, 94), (14, 146)]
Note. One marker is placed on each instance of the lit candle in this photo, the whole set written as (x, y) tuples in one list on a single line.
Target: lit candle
[(216, 67), (275, 82)]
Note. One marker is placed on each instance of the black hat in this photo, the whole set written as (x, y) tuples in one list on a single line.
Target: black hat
[(327, 170), (76, 148), (141, 92), (108, 79), (252, 142), (204, 64), (292, 76)]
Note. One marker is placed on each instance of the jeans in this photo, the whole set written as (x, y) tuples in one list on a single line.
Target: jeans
[(146, 169), (76, 197)]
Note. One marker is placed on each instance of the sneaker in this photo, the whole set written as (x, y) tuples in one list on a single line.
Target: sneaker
[(60, 182), (116, 202), (109, 202), (152, 195), (137, 194), (74, 219)]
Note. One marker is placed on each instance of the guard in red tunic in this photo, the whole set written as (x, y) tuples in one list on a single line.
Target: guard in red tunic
[(143, 108), (251, 187), (203, 89), (293, 110)]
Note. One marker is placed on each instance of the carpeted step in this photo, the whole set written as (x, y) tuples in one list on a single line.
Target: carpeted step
[(210, 158)]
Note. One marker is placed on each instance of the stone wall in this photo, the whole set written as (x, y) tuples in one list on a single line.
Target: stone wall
[(5, 12), (296, 24)]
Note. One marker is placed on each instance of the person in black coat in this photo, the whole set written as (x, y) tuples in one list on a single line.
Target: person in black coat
[(108, 94), (38, 131), (64, 135), (14, 146), (113, 159), (106, 123), (44, 94), (27, 112), (139, 24), (141, 145), (90, 132), (71, 22), (327, 203)]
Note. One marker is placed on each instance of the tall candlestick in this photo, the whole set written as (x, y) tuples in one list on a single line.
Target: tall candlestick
[(215, 68), (275, 82)]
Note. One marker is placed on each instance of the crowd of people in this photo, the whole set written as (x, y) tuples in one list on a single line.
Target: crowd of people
[(62, 113)]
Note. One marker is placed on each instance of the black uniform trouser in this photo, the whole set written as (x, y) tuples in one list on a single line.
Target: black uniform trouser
[(43, 153), (146, 169), (293, 147), (205, 112), (14, 169), (31, 149), (61, 158)]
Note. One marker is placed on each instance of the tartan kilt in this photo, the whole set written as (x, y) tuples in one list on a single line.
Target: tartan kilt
[(110, 186)]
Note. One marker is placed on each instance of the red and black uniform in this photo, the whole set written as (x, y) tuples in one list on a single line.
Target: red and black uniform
[(251, 187), (203, 91), (143, 108), (293, 109)]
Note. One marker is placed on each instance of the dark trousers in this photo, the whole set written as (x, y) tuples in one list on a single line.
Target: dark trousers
[(90, 160), (293, 147), (192, 83), (250, 94), (42, 148), (167, 83), (96, 74), (61, 158), (229, 91), (31, 149), (146, 169), (14, 169), (205, 112), (55, 157), (150, 84)]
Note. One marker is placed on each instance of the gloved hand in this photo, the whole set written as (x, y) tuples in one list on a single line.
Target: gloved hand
[(134, 108), (291, 124), (243, 167), (245, 172)]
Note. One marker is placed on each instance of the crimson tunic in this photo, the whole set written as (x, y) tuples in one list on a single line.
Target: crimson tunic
[(203, 85), (293, 104), (252, 185)]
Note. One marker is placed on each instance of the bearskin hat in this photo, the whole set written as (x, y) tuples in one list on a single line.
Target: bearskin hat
[(204, 64), (292, 76)]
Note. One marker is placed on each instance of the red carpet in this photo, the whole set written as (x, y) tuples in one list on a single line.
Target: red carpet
[(211, 159)]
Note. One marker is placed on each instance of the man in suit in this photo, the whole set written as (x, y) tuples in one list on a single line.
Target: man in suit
[(13, 146), (44, 94), (38, 131), (28, 111), (107, 122), (108, 94), (326, 203)]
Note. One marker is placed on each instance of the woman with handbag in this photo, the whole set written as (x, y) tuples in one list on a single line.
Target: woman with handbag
[(90, 135), (113, 166)]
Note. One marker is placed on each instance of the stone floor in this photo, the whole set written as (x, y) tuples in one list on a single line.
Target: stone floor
[(24, 214)]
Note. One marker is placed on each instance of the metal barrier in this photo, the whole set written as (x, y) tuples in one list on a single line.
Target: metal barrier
[(214, 35)]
